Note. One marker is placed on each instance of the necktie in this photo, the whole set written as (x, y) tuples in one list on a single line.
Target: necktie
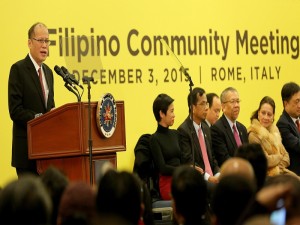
[(204, 153), (236, 136), (298, 124), (41, 81)]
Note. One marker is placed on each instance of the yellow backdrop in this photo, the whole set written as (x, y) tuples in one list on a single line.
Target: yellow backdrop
[(250, 45)]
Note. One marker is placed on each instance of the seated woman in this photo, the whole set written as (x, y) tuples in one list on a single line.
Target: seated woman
[(164, 143), (264, 132)]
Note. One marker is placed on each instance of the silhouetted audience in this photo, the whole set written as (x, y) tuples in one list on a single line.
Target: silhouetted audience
[(55, 182), (258, 220), (236, 188), (119, 194), (77, 205), (147, 217), (25, 201), (237, 166), (292, 199), (256, 156), (283, 189), (189, 196), (231, 196)]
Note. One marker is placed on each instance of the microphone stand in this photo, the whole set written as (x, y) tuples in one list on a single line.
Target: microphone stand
[(184, 71), (88, 80), (191, 84), (71, 88)]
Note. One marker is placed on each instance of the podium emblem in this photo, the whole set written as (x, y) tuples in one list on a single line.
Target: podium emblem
[(106, 115)]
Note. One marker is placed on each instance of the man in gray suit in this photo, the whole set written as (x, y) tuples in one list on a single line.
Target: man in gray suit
[(30, 94)]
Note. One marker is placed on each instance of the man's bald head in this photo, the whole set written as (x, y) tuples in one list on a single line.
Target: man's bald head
[(239, 166)]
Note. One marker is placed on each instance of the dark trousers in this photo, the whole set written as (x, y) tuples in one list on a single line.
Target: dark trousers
[(23, 171)]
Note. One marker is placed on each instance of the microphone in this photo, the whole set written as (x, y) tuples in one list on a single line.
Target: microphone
[(187, 75), (59, 71), (184, 71), (70, 76)]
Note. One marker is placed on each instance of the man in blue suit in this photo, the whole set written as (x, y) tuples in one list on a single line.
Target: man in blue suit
[(287, 123), (227, 133), (30, 94)]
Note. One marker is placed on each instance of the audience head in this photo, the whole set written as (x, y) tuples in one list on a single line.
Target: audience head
[(231, 196), (119, 193), (214, 108), (77, 205), (102, 168), (163, 109), (25, 201), (292, 199), (265, 112), (290, 95), (147, 213), (189, 195), (259, 220), (230, 101), (55, 182), (255, 155), (237, 166)]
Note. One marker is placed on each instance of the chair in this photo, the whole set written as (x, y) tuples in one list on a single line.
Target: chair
[(144, 167)]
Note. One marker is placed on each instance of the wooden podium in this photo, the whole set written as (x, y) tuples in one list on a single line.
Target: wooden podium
[(61, 137)]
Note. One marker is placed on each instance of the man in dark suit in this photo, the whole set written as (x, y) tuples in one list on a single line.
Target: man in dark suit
[(227, 133), (30, 94), (287, 123), (214, 109), (192, 152)]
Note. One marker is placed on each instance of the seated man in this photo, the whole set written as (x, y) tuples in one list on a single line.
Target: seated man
[(214, 109), (227, 133), (289, 125), (195, 138)]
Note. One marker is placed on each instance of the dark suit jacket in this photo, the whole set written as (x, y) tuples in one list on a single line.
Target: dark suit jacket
[(290, 139), (189, 142), (223, 142), (25, 99)]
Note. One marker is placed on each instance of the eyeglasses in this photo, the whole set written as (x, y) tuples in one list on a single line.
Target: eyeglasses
[(42, 41), (203, 104), (233, 101)]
